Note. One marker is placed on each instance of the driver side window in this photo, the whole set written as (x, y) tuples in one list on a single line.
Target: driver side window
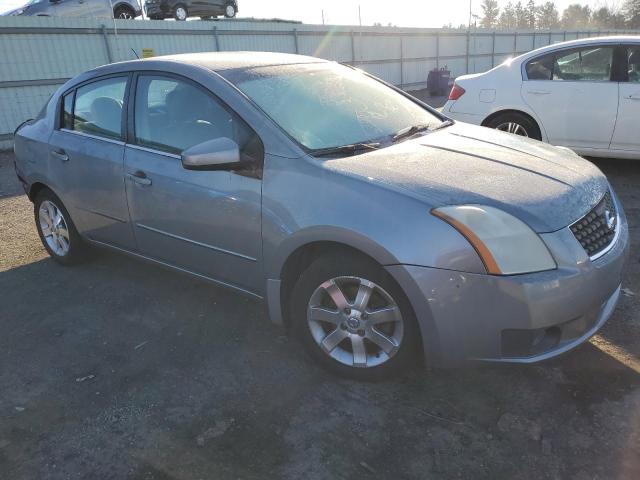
[(172, 115)]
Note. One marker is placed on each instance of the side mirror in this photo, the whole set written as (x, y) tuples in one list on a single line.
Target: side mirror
[(218, 154)]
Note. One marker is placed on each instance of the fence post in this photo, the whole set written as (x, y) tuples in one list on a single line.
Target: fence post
[(515, 43), (533, 41), (564, 36), (353, 48), (549, 38), (401, 61), (493, 49), (295, 39), (468, 44), (106, 42), (215, 35), (437, 51)]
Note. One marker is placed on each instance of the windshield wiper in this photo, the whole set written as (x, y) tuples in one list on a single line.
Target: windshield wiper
[(446, 123), (351, 148), (409, 132)]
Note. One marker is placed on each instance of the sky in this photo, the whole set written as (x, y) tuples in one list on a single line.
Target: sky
[(405, 13)]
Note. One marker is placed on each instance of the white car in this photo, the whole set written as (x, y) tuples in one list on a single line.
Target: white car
[(583, 94)]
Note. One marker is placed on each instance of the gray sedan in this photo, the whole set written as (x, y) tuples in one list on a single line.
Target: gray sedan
[(372, 226)]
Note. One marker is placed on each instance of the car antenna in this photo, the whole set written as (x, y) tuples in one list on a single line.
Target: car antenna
[(134, 52)]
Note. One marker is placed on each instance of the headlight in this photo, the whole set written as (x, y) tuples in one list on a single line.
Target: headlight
[(505, 244)]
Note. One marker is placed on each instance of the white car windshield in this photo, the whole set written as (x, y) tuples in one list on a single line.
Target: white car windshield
[(326, 105)]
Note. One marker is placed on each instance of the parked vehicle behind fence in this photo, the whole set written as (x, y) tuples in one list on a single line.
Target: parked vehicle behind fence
[(582, 94), (123, 9), (372, 226), (183, 9)]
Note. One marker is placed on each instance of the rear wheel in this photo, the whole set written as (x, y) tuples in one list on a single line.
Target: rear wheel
[(56, 229), (517, 124), (230, 11), (180, 13), (353, 318), (124, 13)]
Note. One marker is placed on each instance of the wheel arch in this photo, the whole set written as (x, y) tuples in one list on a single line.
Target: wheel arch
[(35, 188), (126, 5), (504, 111)]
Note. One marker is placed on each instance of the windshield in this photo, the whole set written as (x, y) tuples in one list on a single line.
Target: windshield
[(33, 2), (326, 105)]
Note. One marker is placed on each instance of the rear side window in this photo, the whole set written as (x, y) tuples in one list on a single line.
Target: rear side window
[(172, 115), (98, 108), (583, 65), (586, 65)]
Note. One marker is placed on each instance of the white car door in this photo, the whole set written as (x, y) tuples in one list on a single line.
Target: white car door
[(568, 90), (626, 136)]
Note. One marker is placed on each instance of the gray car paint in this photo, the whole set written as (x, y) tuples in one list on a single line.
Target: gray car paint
[(377, 203), (76, 8)]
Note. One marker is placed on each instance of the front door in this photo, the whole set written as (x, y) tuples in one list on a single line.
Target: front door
[(206, 222), (569, 90), (87, 159), (627, 133)]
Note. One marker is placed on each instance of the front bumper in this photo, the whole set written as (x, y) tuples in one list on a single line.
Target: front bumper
[(520, 318)]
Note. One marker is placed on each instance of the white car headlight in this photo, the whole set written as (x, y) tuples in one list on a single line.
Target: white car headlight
[(505, 244)]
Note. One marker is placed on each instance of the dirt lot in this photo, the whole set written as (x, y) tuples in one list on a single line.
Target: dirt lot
[(121, 370)]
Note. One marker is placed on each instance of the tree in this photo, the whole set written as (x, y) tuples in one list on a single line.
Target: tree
[(631, 12), (507, 18), (490, 12), (576, 16), (530, 14), (547, 16), (521, 16)]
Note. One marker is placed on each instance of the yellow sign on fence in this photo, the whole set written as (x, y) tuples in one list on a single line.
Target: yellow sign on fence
[(148, 53)]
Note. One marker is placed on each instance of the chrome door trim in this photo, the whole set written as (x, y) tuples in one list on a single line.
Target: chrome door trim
[(179, 269), (95, 137), (151, 150), (194, 242)]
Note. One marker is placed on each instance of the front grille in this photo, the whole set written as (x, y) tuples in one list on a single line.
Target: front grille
[(597, 229)]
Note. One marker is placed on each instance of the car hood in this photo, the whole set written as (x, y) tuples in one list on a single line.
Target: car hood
[(546, 187)]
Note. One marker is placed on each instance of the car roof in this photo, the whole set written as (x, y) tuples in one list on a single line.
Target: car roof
[(582, 42)]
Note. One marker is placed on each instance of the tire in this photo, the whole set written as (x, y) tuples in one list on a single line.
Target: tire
[(65, 247), (180, 13), (350, 328), (516, 123), (123, 13), (230, 11)]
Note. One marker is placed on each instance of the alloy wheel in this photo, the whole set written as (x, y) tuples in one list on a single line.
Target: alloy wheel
[(355, 321), (125, 15), (181, 13), (230, 11), (513, 127), (54, 228)]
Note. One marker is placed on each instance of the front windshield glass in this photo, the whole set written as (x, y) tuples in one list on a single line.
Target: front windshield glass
[(33, 2), (325, 105)]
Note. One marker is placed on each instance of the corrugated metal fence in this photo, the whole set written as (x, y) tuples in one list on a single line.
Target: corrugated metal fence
[(38, 54)]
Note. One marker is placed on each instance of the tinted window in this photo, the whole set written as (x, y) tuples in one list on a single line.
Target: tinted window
[(173, 115), (67, 111), (634, 64), (327, 105), (588, 64), (540, 68), (98, 108)]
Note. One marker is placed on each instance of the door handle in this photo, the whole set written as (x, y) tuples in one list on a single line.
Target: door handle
[(538, 92), (60, 155), (139, 177)]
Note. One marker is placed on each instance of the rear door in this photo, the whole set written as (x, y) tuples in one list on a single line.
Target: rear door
[(87, 159), (572, 93), (206, 222), (627, 132)]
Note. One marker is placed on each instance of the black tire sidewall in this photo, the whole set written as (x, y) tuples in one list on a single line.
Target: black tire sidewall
[(77, 247), (533, 131), (347, 264)]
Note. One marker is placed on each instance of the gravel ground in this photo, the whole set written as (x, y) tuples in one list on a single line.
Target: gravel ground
[(121, 370)]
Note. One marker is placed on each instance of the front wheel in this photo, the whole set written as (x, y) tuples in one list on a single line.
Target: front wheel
[(517, 124), (354, 319), (56, 229), (181, 13), (230, 11), (123, 13)]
